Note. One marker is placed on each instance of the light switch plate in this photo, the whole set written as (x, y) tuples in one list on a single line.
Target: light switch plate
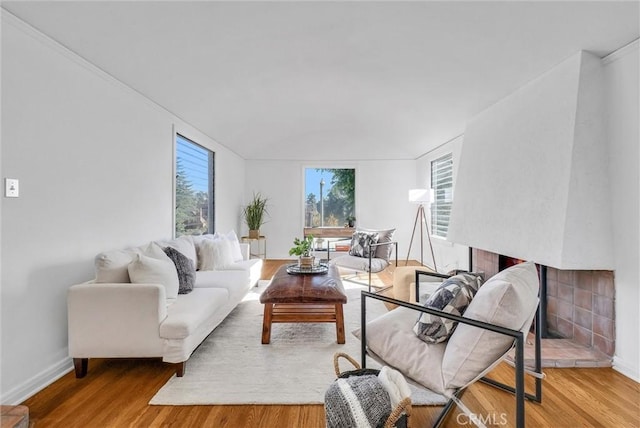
[(11, 188)]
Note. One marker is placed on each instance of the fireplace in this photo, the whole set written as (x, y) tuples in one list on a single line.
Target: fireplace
[(579, 304), (505, 262)]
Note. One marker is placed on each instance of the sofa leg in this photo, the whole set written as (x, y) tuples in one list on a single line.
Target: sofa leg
[(180, 368), (81, 365)]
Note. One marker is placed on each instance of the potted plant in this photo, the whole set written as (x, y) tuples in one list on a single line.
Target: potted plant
[(301, 248), (254, 215), (351, 220)]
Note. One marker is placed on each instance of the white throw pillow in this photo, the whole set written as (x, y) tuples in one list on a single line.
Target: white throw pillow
[(200, 250), (215, 254), (155, 251), (231, 236), (149, 270), (185, 245), (197, 239), (111, 266)]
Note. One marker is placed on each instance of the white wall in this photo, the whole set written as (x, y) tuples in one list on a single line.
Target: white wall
[(94, 160), (449, 255), (381, 199), (621, 81)]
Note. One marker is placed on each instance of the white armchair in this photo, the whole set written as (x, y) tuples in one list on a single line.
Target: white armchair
[(370, 252)]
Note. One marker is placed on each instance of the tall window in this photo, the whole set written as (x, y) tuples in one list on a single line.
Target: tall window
[(442, 185), (194, 188), (330, 196)]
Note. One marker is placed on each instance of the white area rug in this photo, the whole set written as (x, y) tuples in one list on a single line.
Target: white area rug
[(232, 367)]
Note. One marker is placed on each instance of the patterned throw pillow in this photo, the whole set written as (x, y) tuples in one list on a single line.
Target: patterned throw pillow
[(185, 269), (360, 244), (384, 236), (453, 297)]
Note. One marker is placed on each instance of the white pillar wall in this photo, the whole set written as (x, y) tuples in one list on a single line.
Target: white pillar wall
[(533, 179), (621, 114)]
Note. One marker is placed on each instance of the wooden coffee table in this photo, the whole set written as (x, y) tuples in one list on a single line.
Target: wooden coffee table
[(303, 298)]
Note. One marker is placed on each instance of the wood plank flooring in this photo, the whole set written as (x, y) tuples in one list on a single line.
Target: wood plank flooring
[(115, 393)]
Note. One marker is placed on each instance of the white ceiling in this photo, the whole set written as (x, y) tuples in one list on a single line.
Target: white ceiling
[(330, 80)]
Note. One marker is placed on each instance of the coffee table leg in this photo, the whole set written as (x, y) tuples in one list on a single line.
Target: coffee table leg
[(266, 323), (339, 323)]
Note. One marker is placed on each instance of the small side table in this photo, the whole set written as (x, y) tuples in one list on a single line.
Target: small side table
[(260, 250)]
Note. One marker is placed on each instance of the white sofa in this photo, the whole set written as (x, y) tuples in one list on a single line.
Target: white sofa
[(111, 317)]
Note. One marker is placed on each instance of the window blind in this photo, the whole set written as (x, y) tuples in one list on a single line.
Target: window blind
[(442, 185), (194, 188)]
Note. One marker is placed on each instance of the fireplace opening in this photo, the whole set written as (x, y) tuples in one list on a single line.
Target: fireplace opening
[(505, 262), (577, 307)]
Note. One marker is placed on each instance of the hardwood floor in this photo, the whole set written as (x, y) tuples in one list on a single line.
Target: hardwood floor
[(115, 393)]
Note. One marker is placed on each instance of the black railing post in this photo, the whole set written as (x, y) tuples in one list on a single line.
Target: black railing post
[(363, 330), (520, 381), (543, 302), (538, 362)]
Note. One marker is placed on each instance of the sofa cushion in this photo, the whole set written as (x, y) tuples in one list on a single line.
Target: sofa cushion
[(253, 266), (453, 297), (236, 282), (148, 270), (508, 299), (391, 339), (190, 311), (215, 254), (359, 263), (360, 242), (112, 266), (184, 268)]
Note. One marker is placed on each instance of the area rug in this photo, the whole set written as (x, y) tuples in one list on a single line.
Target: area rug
[(232, 367)]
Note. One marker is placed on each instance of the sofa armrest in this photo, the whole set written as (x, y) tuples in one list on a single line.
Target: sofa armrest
[(245, 248), (115, 320)]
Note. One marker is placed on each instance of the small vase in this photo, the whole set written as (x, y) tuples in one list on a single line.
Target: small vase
[(306, 262), (254, 234)]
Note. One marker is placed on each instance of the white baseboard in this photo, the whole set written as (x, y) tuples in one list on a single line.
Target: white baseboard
[(37, 383), (626, 369)]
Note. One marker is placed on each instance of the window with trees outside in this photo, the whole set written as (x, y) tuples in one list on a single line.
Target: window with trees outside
[(442, 185), (330, 196), (194, 188)]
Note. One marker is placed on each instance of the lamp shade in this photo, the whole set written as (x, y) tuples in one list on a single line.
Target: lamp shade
[(420, 196)]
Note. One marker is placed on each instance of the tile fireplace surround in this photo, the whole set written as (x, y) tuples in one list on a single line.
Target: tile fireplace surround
[(580, 310)]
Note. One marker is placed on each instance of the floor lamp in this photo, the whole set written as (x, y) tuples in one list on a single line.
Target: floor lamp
[(421, 197)]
